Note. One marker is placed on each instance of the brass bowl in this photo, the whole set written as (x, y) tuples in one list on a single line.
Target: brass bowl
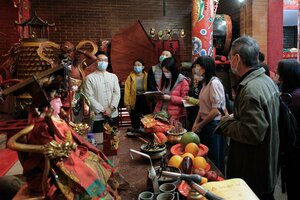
[(175, 138)]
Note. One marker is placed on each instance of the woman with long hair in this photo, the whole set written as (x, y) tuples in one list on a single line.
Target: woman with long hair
[(289, 80), (175, 87), (211, 102)]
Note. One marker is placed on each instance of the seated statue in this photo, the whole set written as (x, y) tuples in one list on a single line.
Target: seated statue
[(63, 161)]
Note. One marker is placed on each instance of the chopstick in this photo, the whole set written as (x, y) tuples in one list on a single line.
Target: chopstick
[(142, 139)]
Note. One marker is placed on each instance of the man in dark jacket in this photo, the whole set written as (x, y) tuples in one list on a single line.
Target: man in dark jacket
[(253, 128)]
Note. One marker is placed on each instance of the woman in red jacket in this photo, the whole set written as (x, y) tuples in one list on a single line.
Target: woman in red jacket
[(175, 87)]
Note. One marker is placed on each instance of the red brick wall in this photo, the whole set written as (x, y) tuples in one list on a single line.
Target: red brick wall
[(8, 31), (97, 20)]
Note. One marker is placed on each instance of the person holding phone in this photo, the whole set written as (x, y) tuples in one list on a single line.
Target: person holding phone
[(211, 102)]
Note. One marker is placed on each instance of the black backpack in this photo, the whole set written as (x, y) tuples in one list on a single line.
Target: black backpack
[(289, 137)]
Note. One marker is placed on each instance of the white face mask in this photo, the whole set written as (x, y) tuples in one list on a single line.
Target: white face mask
[(102, 65), (201, 78), (168, 75), (234, 68), (198, 77), (234, 71), (197, 71)]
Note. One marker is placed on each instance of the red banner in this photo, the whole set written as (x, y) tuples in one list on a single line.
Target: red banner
[(290, 5), (173, 47)]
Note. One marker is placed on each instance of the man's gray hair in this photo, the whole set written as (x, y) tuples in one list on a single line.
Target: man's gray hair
[(247, 48)]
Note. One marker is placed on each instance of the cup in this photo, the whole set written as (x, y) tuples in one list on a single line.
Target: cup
[(146, 195), (165, 196), (167, 188)]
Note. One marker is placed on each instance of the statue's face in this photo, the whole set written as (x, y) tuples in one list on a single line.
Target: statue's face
[(69, 49), (56, 104)]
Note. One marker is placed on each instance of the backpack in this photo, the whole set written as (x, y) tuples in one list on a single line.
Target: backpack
[(289, 137)]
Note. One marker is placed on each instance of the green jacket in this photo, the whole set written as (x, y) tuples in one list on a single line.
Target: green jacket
[(253, 132), (130, 89)]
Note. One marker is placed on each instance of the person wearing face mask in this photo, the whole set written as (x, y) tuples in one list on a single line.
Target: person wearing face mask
[(211, 99), (154, 77), (103, 91), (134, 100), (253, 127), (175, 87), (193, 95)]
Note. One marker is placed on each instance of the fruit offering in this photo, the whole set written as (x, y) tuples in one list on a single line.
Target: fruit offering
[(175, 161), (189, 137), (187, 155), (211, 175), (192, 148), (199, 162), (187, 165), (160, 138)]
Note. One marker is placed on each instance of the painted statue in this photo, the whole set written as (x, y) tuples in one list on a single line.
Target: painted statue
[(57, 161)]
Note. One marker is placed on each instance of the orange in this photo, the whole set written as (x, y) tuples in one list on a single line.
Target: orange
[(203, 180), (192, 148), (189, 137), (187, 154), (175, 161), (199, 162)]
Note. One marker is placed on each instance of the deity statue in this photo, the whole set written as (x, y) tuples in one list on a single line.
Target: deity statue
[(57, 161)]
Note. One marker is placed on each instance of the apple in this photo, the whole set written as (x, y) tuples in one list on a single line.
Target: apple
[(211, 175), (200, 171)]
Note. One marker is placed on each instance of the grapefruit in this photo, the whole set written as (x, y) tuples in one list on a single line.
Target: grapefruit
[(189, 137), (175, 161)]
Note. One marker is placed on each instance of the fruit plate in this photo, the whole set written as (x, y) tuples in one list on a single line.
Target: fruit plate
[(178, 150), (184, 188)]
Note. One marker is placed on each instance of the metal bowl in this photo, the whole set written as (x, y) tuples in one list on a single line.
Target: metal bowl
[(175, 138), (152, 147), (163, 179)]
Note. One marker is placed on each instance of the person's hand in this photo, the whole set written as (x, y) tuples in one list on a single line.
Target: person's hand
[(186, 98), (197, 127), (107, 112), (166, 97)]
